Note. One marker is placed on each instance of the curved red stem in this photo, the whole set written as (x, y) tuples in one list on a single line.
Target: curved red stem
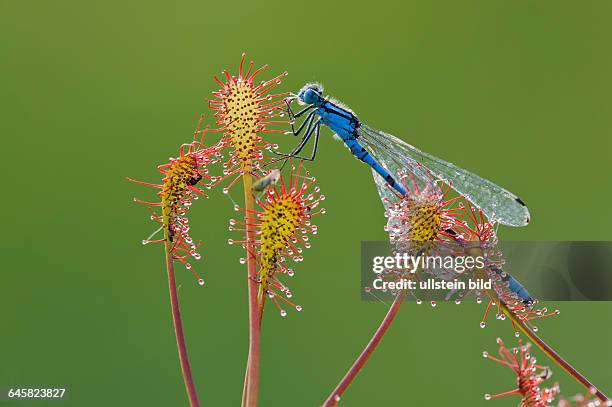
[(552, 354), (178, 331), (361, 360)]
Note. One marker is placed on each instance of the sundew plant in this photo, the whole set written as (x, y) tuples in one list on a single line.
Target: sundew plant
[(232, 152)]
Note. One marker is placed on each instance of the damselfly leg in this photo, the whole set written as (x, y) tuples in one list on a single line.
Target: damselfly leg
[(292, 115), (311, 126)]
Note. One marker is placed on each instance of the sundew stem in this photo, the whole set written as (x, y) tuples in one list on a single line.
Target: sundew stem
[(245, 383), (361, 360), (252, 374), (550, 352), (178, 330)]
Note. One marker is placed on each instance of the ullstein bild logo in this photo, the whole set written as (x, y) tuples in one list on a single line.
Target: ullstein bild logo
[(432, 284)]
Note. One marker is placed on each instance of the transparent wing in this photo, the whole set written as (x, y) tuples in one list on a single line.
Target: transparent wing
[(499, 204)]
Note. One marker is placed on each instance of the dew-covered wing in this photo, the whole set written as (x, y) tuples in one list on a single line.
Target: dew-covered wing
[(499, 204)]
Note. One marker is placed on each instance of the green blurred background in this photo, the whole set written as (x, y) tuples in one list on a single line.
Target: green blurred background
[(95, 91)]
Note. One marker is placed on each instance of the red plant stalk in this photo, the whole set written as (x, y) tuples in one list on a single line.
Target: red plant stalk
[(422, 216), (178, 330), (553, 355), (252, 375), (360, 362)]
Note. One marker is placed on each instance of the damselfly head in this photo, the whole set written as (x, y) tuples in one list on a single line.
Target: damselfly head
[(310, 93)]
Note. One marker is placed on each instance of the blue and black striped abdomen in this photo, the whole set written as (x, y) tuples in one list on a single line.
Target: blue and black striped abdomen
[(514, 286)]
